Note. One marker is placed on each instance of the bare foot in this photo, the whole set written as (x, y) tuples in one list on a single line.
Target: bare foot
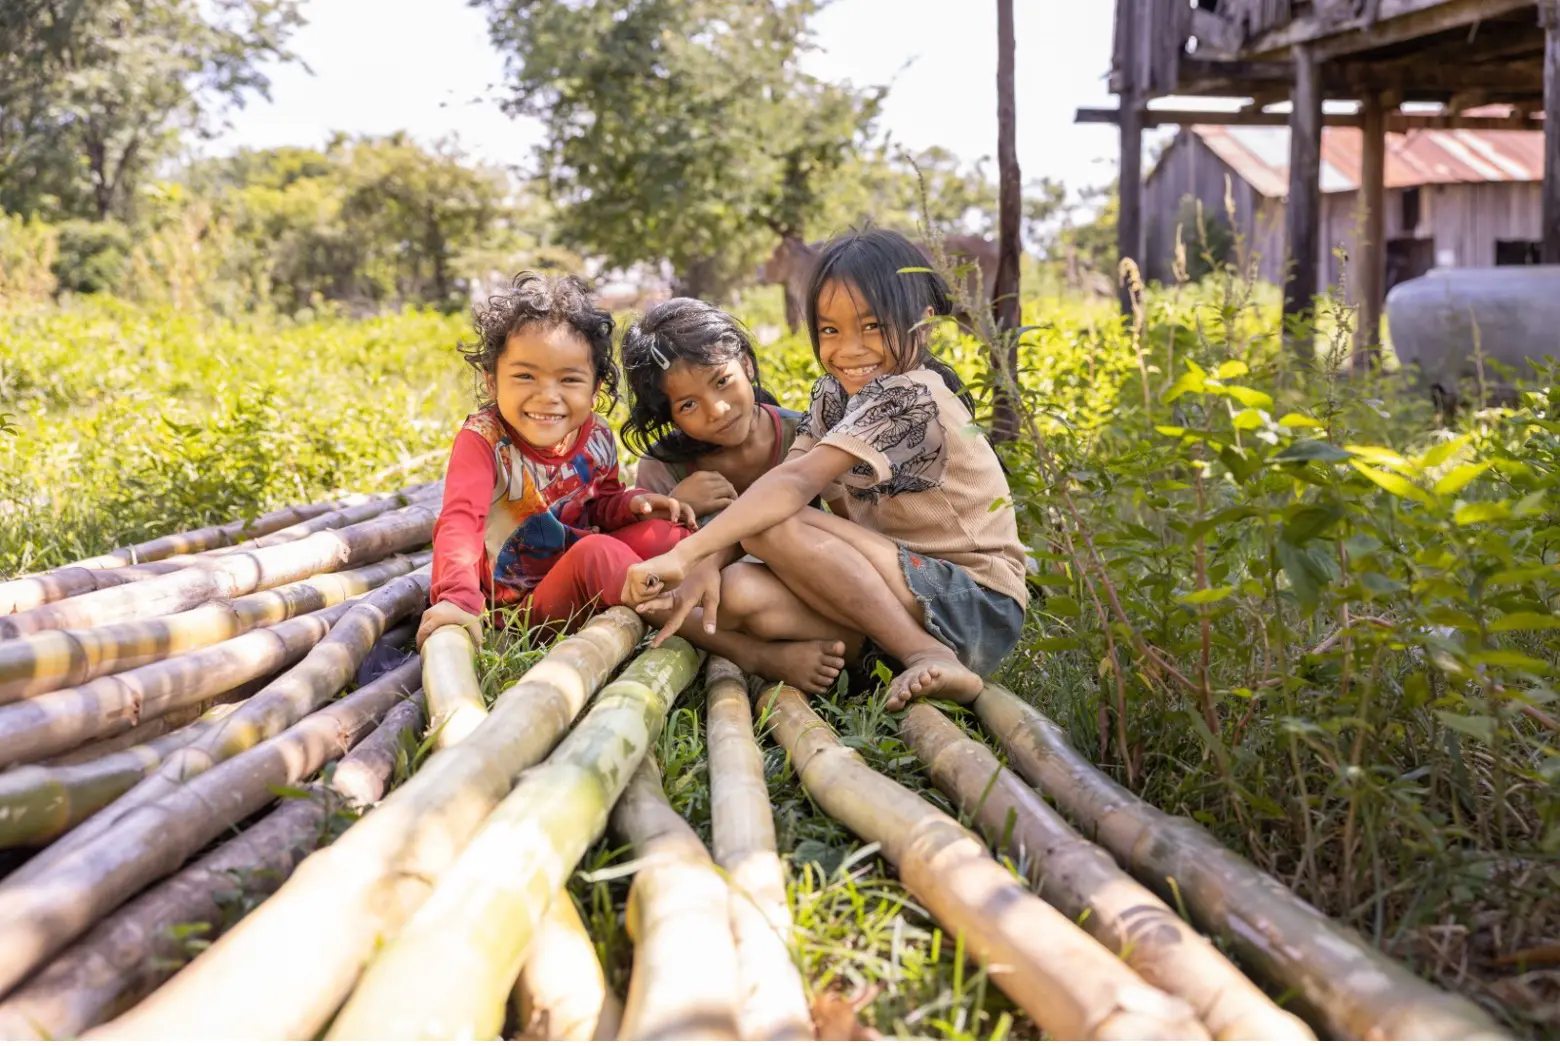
[(810, 665), (933, 674)]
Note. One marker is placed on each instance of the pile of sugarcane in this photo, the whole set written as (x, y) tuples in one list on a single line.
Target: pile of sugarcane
[(187, 724)]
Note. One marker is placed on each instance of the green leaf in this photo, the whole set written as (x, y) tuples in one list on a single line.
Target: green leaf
[(1393, 483), (1184, 384), (1052, 580), (1310, 450), (1300, 421), (1205, 595), (1478, 727), (1512, 659), (1383, 456), (1248, 419), (1307, 573), (1442, 452), (1522, 575), (1310, 521), (1231, 369), (1524, 621), (1461, 476), (1062, 606), (1248, 397), (1055, 644), (1481, 512)]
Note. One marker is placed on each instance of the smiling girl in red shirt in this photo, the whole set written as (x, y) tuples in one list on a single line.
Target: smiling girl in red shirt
[(534, 514)]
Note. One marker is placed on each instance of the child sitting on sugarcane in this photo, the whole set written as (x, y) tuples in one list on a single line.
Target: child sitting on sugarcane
[(535, 516), (705, 429), (925, 561)]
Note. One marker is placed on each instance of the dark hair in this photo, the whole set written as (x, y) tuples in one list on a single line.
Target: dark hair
[(679, 330), (548, 302), (873, 261)]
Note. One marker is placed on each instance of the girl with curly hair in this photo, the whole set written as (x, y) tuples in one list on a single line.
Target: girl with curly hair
[(534, 514), (924, 563)]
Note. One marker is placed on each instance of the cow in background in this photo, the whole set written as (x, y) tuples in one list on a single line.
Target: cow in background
[(791, 266)]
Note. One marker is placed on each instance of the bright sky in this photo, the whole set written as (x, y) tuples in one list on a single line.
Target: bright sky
[(425, 66)]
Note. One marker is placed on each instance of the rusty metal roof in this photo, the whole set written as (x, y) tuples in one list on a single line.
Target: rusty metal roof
[(1260, 155)]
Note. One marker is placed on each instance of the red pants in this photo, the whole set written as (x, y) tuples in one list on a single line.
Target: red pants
[(592, 571)]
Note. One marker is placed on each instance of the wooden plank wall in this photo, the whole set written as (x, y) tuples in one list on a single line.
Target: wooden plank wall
[(1463, 220)]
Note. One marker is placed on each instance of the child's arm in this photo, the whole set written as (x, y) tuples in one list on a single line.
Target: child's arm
[(615, 507), (458, 549), (774, 497)]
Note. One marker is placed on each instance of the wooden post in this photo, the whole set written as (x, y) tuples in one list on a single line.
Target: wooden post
[(1010, 212), (1129, 214), (1549, 14), (1371, 264), (1303, 208)]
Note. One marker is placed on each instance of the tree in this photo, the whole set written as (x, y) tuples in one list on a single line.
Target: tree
[(103, 89), (681, 131)]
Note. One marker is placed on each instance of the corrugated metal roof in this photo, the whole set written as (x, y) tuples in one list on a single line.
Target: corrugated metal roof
[(1260, 155)]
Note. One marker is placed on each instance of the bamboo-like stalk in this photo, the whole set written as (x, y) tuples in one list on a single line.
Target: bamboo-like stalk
[(46, 661), (37, 803), (338, 519), (1085, 884), (1344, 986), (235, 574), (349, 897), (301, 690), (562, 993), (1070, 985), (773, 1000), (450, 970), (685, 983), (127, 955), (46, 911), (455, 705), (49, 724)]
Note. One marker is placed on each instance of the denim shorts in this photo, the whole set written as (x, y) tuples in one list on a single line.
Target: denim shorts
[(980, 625)]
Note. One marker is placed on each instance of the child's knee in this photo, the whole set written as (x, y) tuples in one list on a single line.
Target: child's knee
[(775, 540), (601, 563), (651, 537)]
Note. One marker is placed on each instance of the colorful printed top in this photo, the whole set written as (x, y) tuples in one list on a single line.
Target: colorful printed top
[(511, 510), (662, 476), (926, 476)]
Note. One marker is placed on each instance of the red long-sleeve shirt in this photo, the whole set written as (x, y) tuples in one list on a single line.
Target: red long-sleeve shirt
[(511, 510)]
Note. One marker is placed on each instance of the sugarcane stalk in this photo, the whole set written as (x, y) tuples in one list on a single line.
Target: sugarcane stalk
[(455, 705), (448, 973), (685, 983), (127, 955), (301, 690), (235, 574), (47, 661), (161, 555), (338, 519), (1082, 882), (37, 803), (49, 724), (45, 911), (361, 890), (562, 993), (1345, 987), (1067, 983), (150, 730), (773, 998)]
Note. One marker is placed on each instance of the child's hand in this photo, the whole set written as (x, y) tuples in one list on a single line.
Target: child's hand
[(659, 506), (706, 491), (700, 589), (649, 579), (446, 613)]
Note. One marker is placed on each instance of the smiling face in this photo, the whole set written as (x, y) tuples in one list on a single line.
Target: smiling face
[(711, 404), (852, 343), (544, 385)]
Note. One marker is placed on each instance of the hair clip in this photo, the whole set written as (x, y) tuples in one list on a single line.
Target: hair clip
[(659, 357)]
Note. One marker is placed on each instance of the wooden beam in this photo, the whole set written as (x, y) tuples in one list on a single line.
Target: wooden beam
[(1129, 213), (1302, 209), (1390, 22), (1371, 264), (1550, 11), (1397, 123)]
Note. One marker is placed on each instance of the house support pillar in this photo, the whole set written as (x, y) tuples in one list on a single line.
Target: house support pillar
[(1371, 265), (1549, 14), (1303, 211), (1129, 215)]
